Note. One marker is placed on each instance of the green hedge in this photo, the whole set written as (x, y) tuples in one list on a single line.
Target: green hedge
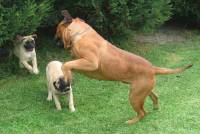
[(109, 17), (187, 10), (115, 17), (21, 17)]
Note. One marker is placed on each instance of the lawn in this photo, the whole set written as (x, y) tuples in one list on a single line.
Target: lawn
[(102, 107)]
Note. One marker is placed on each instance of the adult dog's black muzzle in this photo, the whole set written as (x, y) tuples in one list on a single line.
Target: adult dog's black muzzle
[(58, 42)]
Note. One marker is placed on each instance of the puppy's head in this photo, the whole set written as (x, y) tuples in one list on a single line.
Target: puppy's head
[(62, 36), (61, 85), (28, 42)]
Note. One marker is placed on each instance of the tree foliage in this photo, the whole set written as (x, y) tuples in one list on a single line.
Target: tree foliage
[(21, 17), (115, 17), (187, 10)]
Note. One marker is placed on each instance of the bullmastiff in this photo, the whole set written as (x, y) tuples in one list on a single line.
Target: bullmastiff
[(99, 59)]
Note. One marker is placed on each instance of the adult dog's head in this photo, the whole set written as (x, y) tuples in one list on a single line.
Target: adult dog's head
[(28, 42), (62, 36)]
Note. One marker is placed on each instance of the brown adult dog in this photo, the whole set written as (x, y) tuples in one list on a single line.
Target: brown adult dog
[(99, 59)]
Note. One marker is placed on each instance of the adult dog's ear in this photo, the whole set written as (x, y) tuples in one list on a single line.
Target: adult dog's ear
[(67, 17), (34, 36), (19, 38)]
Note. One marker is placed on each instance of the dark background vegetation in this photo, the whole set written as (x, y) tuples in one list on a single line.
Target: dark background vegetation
[(112, 18)]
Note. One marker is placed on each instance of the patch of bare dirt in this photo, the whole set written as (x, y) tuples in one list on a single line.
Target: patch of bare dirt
[(162, 36)]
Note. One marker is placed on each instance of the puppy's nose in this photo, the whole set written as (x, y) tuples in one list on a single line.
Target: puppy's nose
[(67, 88)]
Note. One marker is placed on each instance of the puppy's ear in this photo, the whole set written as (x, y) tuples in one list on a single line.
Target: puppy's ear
[(54, 84), (34, 36), (67, 17), (19, 38)]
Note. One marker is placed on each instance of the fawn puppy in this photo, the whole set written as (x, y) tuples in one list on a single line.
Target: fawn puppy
[(57, 85), (24, 49)]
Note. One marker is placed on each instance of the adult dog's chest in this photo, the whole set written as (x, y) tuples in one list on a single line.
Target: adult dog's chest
[(75, 53)]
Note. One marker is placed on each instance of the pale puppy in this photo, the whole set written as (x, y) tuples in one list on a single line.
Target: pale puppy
[(24, 49), (57, 86)]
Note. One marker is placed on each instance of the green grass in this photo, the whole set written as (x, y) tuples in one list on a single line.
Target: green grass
[(102, 106)]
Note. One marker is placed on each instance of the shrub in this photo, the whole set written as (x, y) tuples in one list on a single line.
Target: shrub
[(21, 17), (150, 14), (187, 10), (115, 17)]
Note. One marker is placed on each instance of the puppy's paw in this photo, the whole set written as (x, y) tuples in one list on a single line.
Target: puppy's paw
[(21, 65), (58, 107), (36, 71), (72, 109), (49, 98)]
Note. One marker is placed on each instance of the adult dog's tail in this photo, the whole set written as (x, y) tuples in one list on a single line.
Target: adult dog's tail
[(164, 71)]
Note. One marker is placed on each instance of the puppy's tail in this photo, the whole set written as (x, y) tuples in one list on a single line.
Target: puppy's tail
[(164, 71)]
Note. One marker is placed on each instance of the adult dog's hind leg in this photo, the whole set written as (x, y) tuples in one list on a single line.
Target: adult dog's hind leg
[(140, 89), (154, 98)]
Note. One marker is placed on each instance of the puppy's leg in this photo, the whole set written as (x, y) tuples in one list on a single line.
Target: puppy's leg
[(57, 103), (71, 100), (50, 94), (154, 98), (21, 65), (27, 66), (35, 68)]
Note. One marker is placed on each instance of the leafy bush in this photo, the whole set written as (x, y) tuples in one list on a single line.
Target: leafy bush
[(187, 10), (21, 17), (115, 17), (150, 14)]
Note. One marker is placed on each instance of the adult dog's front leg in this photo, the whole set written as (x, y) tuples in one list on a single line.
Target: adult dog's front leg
[(35, 68), (80, 64), (71, 100)]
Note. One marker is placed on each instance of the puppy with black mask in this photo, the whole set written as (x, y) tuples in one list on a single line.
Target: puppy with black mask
[(24, 49), (57, 85)]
